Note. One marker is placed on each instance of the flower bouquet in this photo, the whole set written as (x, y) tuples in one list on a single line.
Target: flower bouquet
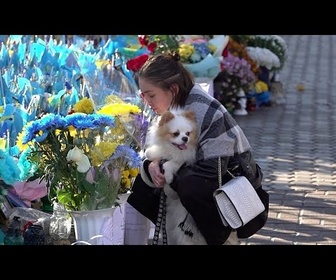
[(264, 57), (275, 44), (151, 44), (81, 156), (236, 75), (201, 56)]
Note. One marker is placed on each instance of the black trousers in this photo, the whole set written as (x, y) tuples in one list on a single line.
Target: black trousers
[(145, 199), (196, 195)]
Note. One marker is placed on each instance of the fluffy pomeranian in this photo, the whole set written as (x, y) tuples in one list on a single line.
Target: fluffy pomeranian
[(173, 139)]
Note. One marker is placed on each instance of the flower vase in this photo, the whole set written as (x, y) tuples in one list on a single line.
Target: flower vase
[(93, 227), (240, 110), (118, 220)]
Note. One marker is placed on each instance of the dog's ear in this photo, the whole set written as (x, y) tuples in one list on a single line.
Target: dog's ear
[(166, 117), (190, 115)]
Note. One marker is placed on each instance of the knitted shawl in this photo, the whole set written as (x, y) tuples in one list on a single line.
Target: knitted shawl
[(219, 133)]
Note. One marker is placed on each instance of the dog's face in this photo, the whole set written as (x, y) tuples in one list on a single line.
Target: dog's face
[(179, 128)]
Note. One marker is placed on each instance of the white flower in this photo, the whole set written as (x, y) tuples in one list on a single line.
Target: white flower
[(76, 155), (264, 57)]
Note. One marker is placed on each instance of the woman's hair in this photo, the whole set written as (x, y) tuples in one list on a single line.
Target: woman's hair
[(165, 69)]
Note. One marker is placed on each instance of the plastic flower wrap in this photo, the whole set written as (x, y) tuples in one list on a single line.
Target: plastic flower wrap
[(202, 57), (131, 121), (76, 157), (110, 81)]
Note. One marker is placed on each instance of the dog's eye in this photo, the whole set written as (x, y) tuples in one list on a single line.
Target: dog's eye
[(188, 133), (175, 134)]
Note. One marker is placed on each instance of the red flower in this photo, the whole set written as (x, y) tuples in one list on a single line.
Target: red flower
[(143, 40), (151, 47), (226, 50), (136, 63)]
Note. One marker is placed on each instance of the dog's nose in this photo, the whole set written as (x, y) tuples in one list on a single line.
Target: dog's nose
[(185, 139)]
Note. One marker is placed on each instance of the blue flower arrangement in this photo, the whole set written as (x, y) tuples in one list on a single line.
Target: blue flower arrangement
[(75, 155)]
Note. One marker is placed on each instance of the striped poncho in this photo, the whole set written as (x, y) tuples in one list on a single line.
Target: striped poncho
[(219, 133)]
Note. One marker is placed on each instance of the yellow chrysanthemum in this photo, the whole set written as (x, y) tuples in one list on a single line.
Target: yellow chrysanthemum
[(1, 109), (19, 143), (126, 173), (134, 172), (119, 109), (85, 105), (101, 152), (126, 182), (185, 51), (260, 87)]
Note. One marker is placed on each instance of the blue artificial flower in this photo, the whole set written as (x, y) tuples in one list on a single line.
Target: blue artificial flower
[(26, 167), (91, 121), (9, 171), (124, 151), (44, 124)]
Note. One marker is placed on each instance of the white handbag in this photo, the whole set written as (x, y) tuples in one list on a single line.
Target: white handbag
[(237, 201)]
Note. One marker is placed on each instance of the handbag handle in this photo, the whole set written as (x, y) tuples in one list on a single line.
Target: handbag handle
[(220, 172)]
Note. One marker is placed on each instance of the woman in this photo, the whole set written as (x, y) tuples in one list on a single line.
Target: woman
[(165, 83)]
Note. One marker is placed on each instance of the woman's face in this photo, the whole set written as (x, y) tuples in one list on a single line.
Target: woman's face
[(159, 100)]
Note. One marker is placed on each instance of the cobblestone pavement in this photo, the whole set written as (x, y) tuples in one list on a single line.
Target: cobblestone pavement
[(294, 143)]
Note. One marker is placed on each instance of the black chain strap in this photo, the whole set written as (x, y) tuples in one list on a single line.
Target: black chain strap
[(161, 221)]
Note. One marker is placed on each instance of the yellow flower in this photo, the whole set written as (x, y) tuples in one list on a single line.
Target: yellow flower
[(85, 105), (119, 109), (126, 182), (185, 51), (19, 143), (260, 87), (101, 152), (134, 172), (126, 173)]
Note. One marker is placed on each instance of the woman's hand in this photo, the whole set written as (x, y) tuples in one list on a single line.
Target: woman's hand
[(154, 170)]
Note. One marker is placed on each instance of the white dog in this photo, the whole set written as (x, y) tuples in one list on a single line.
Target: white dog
[(174, 139)]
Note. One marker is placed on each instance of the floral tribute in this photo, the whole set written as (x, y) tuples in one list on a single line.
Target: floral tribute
[(152, 44), (275, 44), (202, 55), (82, 156), (195, 50), (236, 74), (238, 48)]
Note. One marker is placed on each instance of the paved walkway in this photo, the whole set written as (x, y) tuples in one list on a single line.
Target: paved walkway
[(294, 144)]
